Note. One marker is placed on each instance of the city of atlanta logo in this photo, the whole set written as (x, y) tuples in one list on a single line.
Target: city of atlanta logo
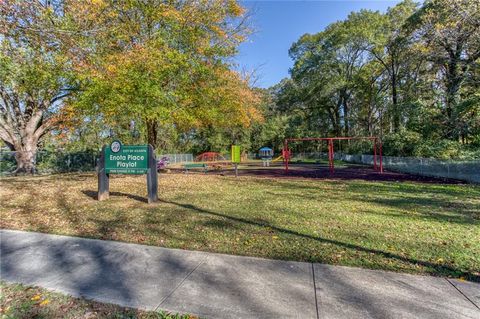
[(116, 146)]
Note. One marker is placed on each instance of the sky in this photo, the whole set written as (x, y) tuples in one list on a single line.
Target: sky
[(278, 24)]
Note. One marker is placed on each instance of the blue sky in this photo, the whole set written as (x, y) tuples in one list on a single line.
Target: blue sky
[(280, 23)]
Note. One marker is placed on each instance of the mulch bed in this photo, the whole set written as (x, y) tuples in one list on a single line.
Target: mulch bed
[(321, 171)]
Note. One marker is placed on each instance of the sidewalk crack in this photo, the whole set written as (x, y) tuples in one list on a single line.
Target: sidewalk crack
[(180, 283), (466, 297), (315, 291)]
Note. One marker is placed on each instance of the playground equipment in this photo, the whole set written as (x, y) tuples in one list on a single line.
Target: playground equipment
[(377, 150), (189, 166), (210, 157), (163, 162), (266, 154)]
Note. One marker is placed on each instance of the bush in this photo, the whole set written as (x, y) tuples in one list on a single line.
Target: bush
[(401, 144), (409, 143), (48, 162)]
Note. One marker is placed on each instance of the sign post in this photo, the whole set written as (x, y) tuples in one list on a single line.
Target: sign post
[(236, 157), (127, 159)]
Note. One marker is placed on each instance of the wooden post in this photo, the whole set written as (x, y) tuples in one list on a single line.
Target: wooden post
[(103, 178), (152, 176)]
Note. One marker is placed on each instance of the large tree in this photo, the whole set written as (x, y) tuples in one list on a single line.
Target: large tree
[(450, 31), (384, 38), (168, 64), (34, 77)]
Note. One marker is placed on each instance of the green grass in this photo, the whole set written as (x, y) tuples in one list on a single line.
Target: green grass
[(19, 301), (408, 227)]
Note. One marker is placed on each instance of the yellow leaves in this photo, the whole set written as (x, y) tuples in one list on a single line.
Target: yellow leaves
[(45, 302), (111, 68), (235, 8), (172, 13), (38, 297)]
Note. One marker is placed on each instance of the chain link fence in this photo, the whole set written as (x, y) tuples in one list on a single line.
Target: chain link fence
[(177, 158), (462, 170), (49, 162)]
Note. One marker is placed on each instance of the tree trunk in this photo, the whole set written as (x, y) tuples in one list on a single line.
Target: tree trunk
[(346, 115), (25, 155), (453, 84), (396, 111), (152, 127)]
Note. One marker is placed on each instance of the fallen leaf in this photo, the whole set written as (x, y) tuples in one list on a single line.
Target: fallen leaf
[(45, 302)]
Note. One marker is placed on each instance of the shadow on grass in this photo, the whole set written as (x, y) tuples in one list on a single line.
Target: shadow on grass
[(444, 203), (429, 209), (94, 195), (434, 268)]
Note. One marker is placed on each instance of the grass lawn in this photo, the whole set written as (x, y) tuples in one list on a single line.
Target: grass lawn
[(410, 227), (18, 301)]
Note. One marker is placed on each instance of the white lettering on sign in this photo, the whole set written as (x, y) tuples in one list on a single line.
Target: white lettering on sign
[(127, 165), (117, 157), (131, 157)]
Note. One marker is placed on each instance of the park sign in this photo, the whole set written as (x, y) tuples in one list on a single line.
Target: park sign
[(127, 159)]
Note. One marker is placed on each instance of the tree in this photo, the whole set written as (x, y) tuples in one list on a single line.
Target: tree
[(168, 64), (385, 39), (450, 30), (411, 73), (325, 66), (34, 77)]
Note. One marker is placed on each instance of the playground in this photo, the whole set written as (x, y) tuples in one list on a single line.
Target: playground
[(312, 170), (291, 163)]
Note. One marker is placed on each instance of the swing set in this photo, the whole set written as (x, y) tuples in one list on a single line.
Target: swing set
[(377, 150)]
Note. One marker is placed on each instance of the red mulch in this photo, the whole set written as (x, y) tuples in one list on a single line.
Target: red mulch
[(319, 171)]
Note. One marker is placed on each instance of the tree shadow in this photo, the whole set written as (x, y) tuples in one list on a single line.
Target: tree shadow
[(83, 269), (438, 269), (442, 205), (428, 209), (94, 195)]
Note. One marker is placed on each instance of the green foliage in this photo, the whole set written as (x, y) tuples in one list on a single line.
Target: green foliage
[(176, 71), (409, 143), (401, 144), (409, 75)]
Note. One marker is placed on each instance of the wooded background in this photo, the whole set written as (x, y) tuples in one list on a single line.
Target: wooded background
[(76, 74)]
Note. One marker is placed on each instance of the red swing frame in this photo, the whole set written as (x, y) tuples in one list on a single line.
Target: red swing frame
[(377, 150)]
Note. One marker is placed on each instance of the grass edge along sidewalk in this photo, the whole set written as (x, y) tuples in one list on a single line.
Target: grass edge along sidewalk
[(26, 301)]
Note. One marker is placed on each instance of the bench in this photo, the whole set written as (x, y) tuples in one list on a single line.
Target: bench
[(195, 165)]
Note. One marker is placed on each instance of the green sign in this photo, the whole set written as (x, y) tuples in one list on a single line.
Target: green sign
[(126, 159), (235, 154)]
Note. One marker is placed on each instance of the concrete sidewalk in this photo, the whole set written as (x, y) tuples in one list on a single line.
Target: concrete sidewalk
[(222, 286)]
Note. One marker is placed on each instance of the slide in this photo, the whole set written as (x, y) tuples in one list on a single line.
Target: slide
[(277, 159)]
